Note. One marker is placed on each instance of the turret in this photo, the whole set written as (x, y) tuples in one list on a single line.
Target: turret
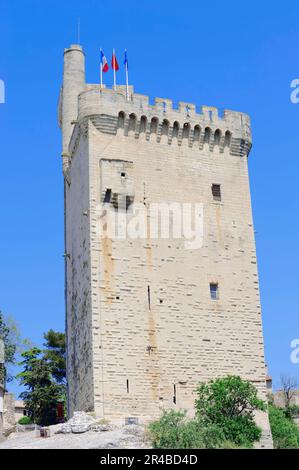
[(73, 84)]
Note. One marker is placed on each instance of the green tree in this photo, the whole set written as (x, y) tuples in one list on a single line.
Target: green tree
[(13, 345), (285, 432), (224, 418), (43, 392), (55, 353), (230, 403)]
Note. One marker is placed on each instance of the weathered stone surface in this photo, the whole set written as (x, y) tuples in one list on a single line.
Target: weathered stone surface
[(79, 423), (100, 428), (111, 439), (142, 329)]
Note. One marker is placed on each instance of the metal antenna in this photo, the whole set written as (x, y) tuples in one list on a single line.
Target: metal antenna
[(79, 27)]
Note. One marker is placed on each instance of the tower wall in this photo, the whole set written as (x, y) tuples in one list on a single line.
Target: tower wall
[(152, 327)]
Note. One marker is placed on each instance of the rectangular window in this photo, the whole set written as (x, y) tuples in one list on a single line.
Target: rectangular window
[(107, 197), (214, 291), (216, 191)]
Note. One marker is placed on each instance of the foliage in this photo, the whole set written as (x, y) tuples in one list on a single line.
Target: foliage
[(173, 431), (224, 418), (43, 392), (25, 420), (13, 345), (285, 432), (230, 403), (55, 354), (292, 411)]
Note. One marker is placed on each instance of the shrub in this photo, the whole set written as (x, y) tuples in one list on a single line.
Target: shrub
[(292, 411), (285, 432), (25, 420), (224, 418), (229, 403), (173, 431)]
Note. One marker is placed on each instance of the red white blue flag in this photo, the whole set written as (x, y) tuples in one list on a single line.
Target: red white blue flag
[(114, 63), (104, 62)]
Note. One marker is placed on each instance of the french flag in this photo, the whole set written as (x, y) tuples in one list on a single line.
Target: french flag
[(114, 63), (104, 62)]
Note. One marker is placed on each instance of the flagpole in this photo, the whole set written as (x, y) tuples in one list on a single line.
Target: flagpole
[(101, 74), (114, 71), (127, 77)]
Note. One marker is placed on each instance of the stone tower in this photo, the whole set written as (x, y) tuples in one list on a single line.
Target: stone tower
[(147, 318)]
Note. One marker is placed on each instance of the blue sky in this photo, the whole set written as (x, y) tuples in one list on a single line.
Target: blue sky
[(226, 54)]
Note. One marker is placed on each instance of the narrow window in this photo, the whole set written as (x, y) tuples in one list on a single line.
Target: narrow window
[(128, 386), (149, 297), (214, 291), (107, 197), (174, 394), (216, 191)]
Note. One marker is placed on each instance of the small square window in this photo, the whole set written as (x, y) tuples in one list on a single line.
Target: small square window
[(216, 191), (123, 174), (214, 291)]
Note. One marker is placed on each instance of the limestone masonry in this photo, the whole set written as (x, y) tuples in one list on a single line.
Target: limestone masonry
[(147, 319)]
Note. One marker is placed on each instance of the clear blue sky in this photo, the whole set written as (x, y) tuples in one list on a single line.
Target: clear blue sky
[(234, 55)]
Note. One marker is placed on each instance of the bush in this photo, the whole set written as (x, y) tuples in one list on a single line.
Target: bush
[(285, 432), (224, 418), (292, 411), (229, 403), (25, 420), (173, 431)]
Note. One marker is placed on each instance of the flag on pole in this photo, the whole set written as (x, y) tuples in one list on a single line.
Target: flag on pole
[(126, 64), (104, 62), (115, 67), (114, 63)]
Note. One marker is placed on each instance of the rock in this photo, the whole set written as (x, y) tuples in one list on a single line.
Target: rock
[(80, 428), (133, 429), (80, 423), (100, 428), (64, 429)]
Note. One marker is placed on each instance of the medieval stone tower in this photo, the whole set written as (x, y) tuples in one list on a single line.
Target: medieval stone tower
[(147, 319)]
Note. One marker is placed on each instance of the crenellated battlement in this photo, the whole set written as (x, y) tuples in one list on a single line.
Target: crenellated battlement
[(112, 113)]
